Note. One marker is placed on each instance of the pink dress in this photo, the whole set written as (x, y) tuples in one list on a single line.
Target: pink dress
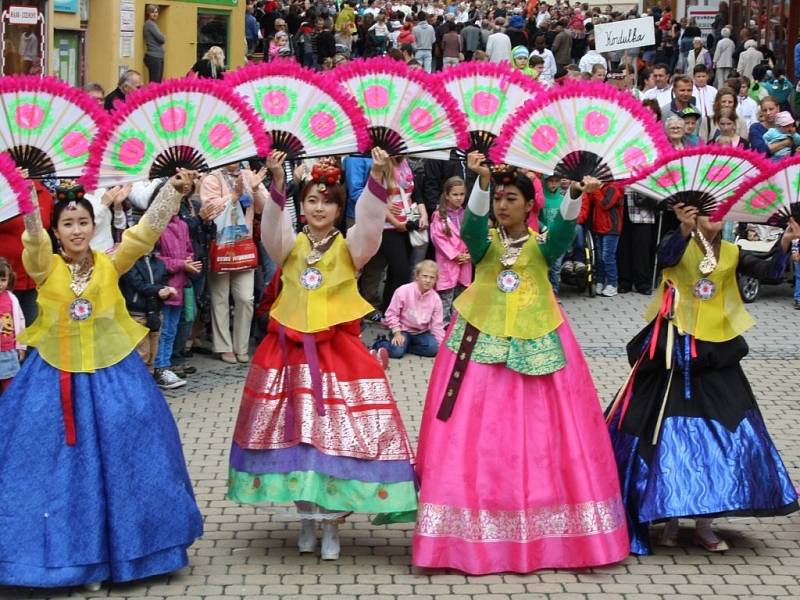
[(447, 248), (521, 476)]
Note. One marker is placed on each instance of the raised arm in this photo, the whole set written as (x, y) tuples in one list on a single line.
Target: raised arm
[(140, 239), (364, 237), (475, 227), (37, 253), (277, 232)]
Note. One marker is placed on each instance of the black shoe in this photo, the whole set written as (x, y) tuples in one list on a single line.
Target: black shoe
[(184, 369), (797, 304), (623, 289), (645, 291)]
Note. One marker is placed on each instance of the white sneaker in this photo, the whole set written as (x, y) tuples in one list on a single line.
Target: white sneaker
[(598, 288), (330, 541), (307, 542), (609, 291), (93, 587), (167, 380)]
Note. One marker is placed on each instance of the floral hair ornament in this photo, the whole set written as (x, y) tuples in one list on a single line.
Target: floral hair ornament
[(325, 173), (70, 194), (502, 175)]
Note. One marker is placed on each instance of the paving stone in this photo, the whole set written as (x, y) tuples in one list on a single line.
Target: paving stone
[(251, 554)]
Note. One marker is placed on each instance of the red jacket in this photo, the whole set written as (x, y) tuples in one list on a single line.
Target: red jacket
[(11, 238), (602, 210)]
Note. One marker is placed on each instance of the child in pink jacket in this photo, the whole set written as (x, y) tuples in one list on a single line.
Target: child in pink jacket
[(452, 256)]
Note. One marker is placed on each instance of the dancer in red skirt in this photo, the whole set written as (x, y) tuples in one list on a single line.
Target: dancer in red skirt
[(318, 424)]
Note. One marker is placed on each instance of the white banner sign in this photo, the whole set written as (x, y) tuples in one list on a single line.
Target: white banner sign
[(703, 17), (23, 15), (621, 35)]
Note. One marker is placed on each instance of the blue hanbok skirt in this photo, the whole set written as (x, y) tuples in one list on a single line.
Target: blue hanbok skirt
[(117, 505)]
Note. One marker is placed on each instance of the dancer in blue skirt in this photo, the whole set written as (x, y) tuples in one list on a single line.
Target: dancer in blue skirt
[(93, 483)]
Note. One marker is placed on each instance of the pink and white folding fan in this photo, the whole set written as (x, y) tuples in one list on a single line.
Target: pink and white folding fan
[(770, 197), (189, 123), (14, 190), (47, 126), (488, 94), (305, 114), (704, 176), (581, 129), (408, 112)]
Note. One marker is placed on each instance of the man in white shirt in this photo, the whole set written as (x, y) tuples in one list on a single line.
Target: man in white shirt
[(549, 72), (592, 57), (662, 93), (498, 46), (543, 14)]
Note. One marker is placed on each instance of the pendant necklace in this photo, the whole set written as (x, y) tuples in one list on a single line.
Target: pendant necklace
[(318, 247), (512, 248)]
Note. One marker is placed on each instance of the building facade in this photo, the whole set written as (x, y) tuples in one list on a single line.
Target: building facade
[(96, 40)]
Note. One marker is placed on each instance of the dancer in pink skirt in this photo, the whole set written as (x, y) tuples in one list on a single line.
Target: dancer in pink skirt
[(516, 468)]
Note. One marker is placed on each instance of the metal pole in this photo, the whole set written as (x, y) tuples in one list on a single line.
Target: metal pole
[(658, 243)]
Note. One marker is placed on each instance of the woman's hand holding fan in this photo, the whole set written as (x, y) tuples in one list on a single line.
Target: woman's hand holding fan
[(382, 168), (687, 215), (275, 160)]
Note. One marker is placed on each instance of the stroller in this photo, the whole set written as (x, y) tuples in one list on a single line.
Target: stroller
[(759, 240), (582, 278)]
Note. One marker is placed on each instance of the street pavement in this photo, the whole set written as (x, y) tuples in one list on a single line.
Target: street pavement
[(249, 553)]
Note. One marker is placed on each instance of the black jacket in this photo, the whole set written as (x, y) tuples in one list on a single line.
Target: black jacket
[(141, 284)]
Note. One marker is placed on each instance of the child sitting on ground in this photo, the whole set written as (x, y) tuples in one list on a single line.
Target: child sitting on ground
[(12, 322), (452, 256), (414, 316)]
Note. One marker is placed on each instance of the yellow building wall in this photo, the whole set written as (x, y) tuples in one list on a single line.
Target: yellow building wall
[(177, 21)]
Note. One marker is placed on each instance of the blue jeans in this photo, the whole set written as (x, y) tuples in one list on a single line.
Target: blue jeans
[(554, 273), (425, 58), (170, 317), (607, 259), (421, 344)]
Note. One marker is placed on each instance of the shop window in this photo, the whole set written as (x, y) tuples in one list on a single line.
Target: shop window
[(212, 30), (68, 55), (23, 37)]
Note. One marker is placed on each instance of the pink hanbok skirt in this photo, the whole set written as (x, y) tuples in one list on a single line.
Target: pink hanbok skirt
[(521, 476)]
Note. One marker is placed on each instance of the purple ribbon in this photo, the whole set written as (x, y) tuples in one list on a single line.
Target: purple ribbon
[(310, 350)]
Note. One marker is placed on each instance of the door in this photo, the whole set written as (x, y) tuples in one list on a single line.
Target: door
[(212, 30)]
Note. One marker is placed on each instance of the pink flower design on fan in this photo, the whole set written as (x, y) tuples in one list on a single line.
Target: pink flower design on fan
[(718, 173), (421, 119), (322, 124), (29, 116), (485, 103), (75, 144), (376, 97), (670, 178), (132, 151), (763, 199), (220, 136), (173, 119), (634, 158), (545, 138), (275, 103), (596, 123)]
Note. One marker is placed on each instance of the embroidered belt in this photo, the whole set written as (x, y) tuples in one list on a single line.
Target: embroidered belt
[(310, 350), (468, 341)]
